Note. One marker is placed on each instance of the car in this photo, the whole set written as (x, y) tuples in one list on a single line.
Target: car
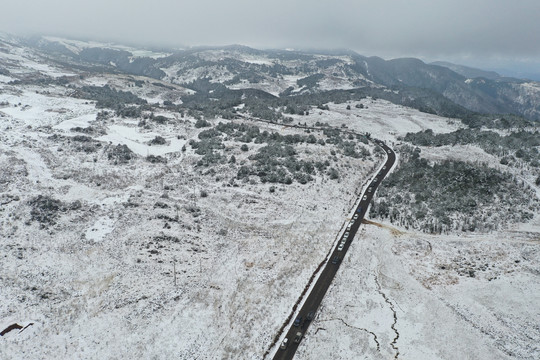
[(351, 222), (359, 210), (364, 198), (340, 247), (384, 167), (369, 189), (298, 337), (349, 226), (355, 217), (336, 259), (346, 235), (388, 151), (297, 321), (310, 315), (284, 344)]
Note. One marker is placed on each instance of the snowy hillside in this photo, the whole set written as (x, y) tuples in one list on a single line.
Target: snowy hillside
[(182, 217)]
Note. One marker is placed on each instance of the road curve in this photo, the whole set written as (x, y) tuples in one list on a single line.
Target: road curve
[(315, 297)]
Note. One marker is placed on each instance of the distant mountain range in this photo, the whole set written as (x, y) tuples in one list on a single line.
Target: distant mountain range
[(467, 71), (439, 87)]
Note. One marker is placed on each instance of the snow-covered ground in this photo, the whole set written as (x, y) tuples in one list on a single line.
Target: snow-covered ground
[(384, 120), (140, 264), (431, 297), (100, 282)]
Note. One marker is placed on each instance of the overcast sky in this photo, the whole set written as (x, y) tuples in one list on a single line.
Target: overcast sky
[(471, 30)]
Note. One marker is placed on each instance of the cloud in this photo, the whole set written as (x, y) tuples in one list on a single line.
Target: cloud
[(388, 28)]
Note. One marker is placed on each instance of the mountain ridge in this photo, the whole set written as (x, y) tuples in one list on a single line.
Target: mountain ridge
[(279, 72)]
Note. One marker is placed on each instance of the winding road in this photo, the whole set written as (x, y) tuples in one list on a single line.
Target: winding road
[(315, 297)]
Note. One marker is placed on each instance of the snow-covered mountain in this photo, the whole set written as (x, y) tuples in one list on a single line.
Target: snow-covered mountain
[(298, 72), (159, 204)]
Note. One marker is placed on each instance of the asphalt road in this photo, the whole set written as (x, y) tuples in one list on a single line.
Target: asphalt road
[(317, 293)]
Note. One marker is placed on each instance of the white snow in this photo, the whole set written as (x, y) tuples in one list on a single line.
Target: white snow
[(101, 228), (6, 79), (440, 315), (100, 282), (138, 142), (79, 121)]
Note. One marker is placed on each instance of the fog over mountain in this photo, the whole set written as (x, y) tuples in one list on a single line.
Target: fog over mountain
[(480, 33)]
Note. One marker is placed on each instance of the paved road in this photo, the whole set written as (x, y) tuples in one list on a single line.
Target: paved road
[(316, 295)]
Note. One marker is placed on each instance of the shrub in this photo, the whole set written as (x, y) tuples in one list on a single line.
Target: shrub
[(333, 173), (45, 210), (120, 154), (160, 119), (156, 159), (202, 123), (158, 140)]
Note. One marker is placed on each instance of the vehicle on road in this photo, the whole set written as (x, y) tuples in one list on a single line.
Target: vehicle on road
[(359, 210), (346, 235), (340, 247), (388, 151), (284, 344), (335, 260), (384, 167), (369, 189), (297, 321), (364, 198), (298, 337), (310, 315), (355, 217)]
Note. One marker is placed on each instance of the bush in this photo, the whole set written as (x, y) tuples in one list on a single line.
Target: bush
[(160, 119), (158, 140), (120, 154), (202, 123), (156, 159), (333, 173), (45, 210)]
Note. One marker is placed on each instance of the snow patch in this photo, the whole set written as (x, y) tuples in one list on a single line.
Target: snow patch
[(138, 142), (101, 228)]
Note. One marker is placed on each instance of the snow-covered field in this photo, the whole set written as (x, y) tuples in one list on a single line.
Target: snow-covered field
[(100, 282), (384, 120), (431, 297), (170, 260)]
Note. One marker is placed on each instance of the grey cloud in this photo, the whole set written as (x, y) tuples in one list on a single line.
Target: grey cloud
[(388, 28)]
